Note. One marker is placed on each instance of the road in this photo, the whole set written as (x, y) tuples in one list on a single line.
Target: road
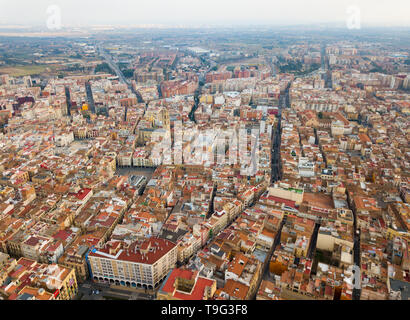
[(120, 75), (276, 138), (356, 249), (87, 291), (198, 91), (313, 241), (195, 106), (265, 271), (325, 66), (356, 259), (272, 65)]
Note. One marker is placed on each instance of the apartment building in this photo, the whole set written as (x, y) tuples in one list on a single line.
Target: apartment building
[(183, 284), (30, 280), (142, 264)]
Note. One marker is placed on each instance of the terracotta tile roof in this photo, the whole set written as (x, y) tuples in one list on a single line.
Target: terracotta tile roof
[(236, 289), (155, 249), (197, 292)]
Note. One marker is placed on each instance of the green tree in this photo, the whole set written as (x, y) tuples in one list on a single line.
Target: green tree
[(211, 234), (128, 73), (103, 67)]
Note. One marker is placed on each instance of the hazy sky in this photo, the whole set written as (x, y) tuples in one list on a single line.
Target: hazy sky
[(197, 12)]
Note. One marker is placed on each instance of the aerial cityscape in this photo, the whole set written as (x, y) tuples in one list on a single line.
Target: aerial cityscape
[(231, 162)]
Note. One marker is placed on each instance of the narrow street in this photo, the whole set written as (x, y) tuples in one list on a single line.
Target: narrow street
[(356, 250), (195, 106), (265, 271), (325, 67), (313, 241), (276, 138), (276, 176), (198, 91), (356, 259)]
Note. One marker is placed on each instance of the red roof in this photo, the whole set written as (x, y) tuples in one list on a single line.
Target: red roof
[(25, 262), (32, 241), (382, 224), (197, 292), (289, 203), (62, 235), (157, 249), (82, 193), (108, 222)]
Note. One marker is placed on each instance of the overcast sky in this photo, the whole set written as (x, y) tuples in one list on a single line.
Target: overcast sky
[(201, 12)]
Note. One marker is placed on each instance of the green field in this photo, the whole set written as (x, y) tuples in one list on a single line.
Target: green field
[(20, 71)]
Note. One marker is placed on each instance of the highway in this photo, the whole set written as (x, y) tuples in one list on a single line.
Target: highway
[(113, 65), (120, 76)]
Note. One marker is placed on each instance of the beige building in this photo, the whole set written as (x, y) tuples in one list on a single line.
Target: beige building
[(75, 258), (125, 159), (287, 192), (189, 245), (142, 264), (41, 281)]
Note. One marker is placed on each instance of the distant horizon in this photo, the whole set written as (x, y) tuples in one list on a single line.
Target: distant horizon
[(196, 14), (329, 25)]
